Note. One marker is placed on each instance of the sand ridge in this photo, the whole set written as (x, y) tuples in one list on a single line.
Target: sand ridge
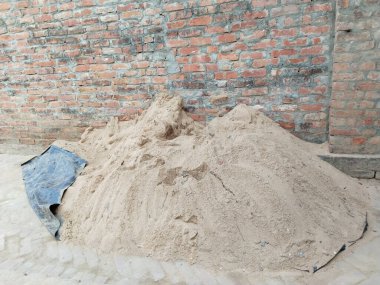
[(239, 193)]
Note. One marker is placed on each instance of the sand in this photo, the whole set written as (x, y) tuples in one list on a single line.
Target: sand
[(238, 194)]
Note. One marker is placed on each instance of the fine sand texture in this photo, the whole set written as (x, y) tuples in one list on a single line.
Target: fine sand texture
[(238, 194)]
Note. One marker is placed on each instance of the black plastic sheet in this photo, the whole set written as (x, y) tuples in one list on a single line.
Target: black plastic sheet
[(46, 178)]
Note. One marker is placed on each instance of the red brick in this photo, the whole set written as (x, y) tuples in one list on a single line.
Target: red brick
[(44, 18), (243, 25), (5, 6), (188, 50), (200, 59), (252, 55), (314, 50), (177, 43), (141, 64), (283, 52), (256, 15), (176, 24), (226, 41), (345, 3), (159, 79), (326, 7), (193, 68), (265, 44), (198, 117), (98, 67), (215, 30), (200, 41), (131, 14), (211, 67), (287, 125), (264, 3), (67, 6), (311, 107), (22, 4), (264, 62), (257, 34), (173, 7), (315, 30), (255, 73), (205, 2), (284, 33), (87, 3), (298, 60), (212, 49), (374, 75), (228, 56), (284, 10), (200, 21), (259, 91), (368, 86), (367, 66), (359, 141), (226, 75), (227, 38)]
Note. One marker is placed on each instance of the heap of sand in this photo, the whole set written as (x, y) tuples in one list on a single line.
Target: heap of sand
[(240, 193)]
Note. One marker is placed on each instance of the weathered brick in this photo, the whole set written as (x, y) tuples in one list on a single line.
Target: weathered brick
[(284, 33), (200, 41), (122, 54), (193, 68), (252, 55), (5, 6), (260, 91), (325, 7), (176, 24), (255, 73), (227, 38), (265, 62), (264, 3), (264, 44), (315, 30), (228, 56), (314, 50), (188, 50), (43, 18), (256, 15), (226, 75), (352, 84), (174, 7), (177, 43), (200, 21), (131, 14), (283, 52), (284, 10), (201, 59)]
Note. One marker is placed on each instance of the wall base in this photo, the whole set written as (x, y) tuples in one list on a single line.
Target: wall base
[(359, 166)]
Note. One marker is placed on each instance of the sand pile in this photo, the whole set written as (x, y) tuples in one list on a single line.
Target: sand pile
[(239, 193)]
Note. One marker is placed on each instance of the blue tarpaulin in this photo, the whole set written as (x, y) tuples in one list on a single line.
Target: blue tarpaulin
[(46, 178)]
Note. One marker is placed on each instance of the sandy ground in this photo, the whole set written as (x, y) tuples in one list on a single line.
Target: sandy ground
[(29, 255)]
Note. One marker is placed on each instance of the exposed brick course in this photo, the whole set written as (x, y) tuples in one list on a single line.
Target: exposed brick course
[(69, 64), (355, 102)]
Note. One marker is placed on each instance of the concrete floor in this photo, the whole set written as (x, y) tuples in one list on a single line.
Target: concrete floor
[(29, 255)]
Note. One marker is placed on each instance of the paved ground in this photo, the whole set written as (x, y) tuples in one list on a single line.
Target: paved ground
[(29, 255)]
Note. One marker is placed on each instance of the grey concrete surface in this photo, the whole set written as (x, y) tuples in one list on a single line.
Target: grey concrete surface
[(360, 166)]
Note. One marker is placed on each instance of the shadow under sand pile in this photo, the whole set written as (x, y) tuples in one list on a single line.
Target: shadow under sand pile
[(241, 193)]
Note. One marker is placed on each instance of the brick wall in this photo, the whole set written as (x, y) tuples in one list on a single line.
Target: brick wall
[(355, 104), (69, 64)]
